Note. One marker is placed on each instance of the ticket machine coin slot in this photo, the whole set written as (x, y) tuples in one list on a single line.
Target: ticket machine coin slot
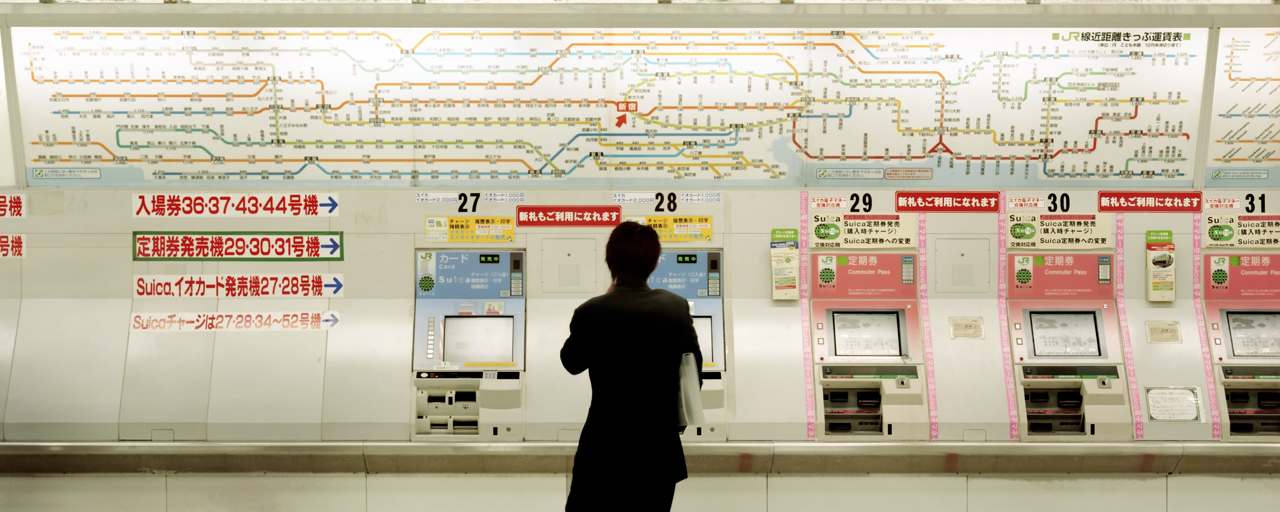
[(840, 397), (464, 396)]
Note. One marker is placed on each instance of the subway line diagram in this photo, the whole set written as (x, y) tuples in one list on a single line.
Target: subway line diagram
[(1245, 127), (976, 107)]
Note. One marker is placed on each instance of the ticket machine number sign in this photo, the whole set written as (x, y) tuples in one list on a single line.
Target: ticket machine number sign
[(1060, 276)]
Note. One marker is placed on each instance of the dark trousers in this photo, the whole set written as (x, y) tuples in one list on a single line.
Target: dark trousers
[(605, 494)]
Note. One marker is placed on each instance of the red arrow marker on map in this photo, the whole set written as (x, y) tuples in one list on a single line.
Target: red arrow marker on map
[(622, 119)]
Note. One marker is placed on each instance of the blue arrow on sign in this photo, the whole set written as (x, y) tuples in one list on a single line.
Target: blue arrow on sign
[(332, 246), (337, 286), (332, 204), (332, 319)]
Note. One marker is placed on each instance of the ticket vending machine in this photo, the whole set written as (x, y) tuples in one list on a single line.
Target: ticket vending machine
[(1242, 316), (1067, 354), (868, 361), (696, 276), (468, 346)]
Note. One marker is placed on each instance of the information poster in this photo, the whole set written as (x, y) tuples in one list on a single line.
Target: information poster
[(477, 230), (1061, 231), (677, 228), (507, 107), (1241, 231), (1173, 404), (863, 231), (1242, 139)]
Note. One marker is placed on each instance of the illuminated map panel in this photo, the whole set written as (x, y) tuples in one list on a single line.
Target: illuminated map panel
[(1244, 133), (581, 107)]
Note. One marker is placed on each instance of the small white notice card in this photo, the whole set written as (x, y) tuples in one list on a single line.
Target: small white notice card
[(1173, 404), (966, 328), (1163, 332)]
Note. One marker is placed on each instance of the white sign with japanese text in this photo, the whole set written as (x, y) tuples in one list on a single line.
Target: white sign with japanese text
[(1061, 231), (238, 286), (287, 204), (1241, 231), (13, 206), (863, 231), (206, 322), (13, 246)]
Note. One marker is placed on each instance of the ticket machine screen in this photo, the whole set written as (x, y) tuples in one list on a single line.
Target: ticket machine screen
[(871, 333), (478, 339), (702, 326), (1254, 334), (1071, 334)]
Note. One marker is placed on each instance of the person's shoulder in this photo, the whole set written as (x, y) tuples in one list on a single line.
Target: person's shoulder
[(592, 303), (671, 298)]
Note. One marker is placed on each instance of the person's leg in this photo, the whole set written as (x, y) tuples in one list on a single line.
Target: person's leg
[(663, 496)]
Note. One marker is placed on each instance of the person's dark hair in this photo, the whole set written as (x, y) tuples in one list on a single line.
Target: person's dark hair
[(632, 251)]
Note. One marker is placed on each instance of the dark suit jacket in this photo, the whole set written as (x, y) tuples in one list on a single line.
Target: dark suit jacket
[(631, 339)]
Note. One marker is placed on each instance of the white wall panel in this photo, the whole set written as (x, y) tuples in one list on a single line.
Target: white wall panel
[(267, 386), (556, 403), (267, 493), (870, 492), (77, 271), (526, 493), (99, 493), (166, 377), (1067, 493), (377, 266), (767, 374), (8, 333), (68, 366), (1195, 493), (747, 493), (368, 388)]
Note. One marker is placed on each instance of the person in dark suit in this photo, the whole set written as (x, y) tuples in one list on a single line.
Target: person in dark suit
[(632, 339)]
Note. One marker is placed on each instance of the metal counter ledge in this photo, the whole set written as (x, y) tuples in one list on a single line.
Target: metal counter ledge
[(709, 458)]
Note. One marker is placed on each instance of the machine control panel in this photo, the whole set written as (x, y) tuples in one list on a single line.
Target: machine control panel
[(469, 312), (696, 276)]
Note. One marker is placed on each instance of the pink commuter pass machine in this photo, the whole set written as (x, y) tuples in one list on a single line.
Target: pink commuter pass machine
[(1242, 318), (868, 361), (1066, 349)]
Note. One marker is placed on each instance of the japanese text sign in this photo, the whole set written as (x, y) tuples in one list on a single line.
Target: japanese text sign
[(1060, 231), (206, 322), (1241, 231), (568, 216), (910, 201), (13, 206), (676, 228), (238, 286), (237, 246), (1156, 202), (235, 205), (470, 229), (863, 231), (13, 246)]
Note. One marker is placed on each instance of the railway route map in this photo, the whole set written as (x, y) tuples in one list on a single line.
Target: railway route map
[(1015, 107), (1245, 127)]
